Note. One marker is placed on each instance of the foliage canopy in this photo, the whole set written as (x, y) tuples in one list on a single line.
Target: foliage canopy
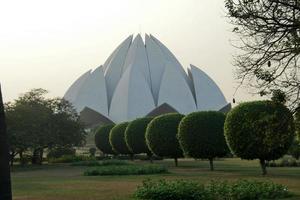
[(135, 135), (261, 130), (117, 138), (102, 139), (161, 136), (201, 135)]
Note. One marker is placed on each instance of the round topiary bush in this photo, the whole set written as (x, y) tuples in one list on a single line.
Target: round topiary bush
[(261, 130), (135, 136), (201, 135), (102, 139), (117, 139), (161, 136)]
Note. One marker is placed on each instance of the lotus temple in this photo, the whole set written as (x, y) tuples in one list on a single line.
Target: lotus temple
[(142, 79)]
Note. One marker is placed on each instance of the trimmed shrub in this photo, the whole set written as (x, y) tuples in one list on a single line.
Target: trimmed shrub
[(247, 190), (102, 139), (215, 190), (93, 163), (201, 135), (58, 152), (153, 157), (171, 190), (161, 136), (135, 136), (261, 130), (126, 170), (117, 139), (70, 159)]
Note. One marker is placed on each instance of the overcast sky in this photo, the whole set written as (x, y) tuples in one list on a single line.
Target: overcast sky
[(50, 44)]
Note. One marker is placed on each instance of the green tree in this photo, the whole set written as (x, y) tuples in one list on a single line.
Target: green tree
[(66, 129), (269, 32), (117, 139), (18, 138), (36, 123), (135, 136), (161, 136), (201, 135), (5, 182), (102, 139), (34, 116), (261, 130)]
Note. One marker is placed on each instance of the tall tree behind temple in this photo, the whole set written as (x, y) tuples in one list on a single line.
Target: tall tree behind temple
[(5, 184)]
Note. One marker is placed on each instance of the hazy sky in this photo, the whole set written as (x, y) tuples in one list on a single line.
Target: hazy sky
[(50, 44)]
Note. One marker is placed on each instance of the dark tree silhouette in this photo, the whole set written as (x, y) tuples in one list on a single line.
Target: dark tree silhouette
[(269, 32), (5, 184), (35, 122)]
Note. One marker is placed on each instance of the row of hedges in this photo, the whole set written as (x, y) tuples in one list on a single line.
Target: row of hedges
[(261, 130), (214, 190), (112, 170), (144, 135)]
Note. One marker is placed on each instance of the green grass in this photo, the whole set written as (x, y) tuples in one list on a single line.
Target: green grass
[(65, 182)]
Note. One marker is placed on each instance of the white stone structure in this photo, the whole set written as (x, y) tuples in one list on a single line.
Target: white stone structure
[(140, 79)]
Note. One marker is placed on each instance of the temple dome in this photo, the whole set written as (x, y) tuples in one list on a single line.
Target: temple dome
[(140, 78)]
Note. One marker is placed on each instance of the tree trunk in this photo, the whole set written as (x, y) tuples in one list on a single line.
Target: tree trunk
[(150, 157), (211, 164), (11, 163), (132, 157), (263, 166), (41, 152), (12, 156), (21, 158), (36, 156), (176, 162), (5, 181)]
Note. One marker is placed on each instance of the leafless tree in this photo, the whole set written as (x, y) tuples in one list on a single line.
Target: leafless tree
[(269, 32)]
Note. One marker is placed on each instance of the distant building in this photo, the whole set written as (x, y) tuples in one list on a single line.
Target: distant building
[(142, 79)]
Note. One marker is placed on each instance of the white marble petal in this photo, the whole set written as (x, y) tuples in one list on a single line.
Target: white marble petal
[(172, 59), (114, 69), (208, 94), (74, 89), (93, 93), (175, 91), (157, 62), (109, 59), (132, 98), (137, 58)]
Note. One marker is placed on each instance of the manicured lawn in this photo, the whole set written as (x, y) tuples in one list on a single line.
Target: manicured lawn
[(65, 182)]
